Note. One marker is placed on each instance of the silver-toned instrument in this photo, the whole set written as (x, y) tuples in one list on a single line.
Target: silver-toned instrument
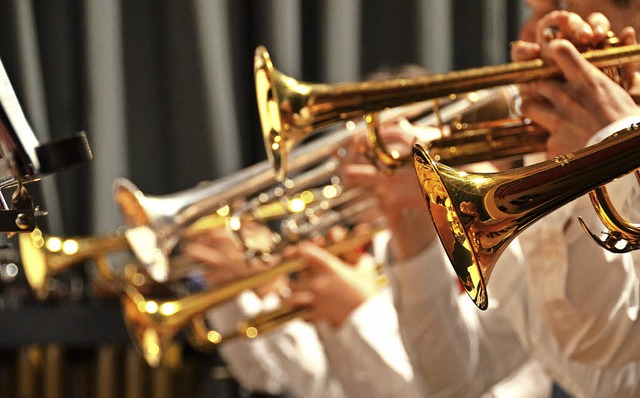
[(155, 224)]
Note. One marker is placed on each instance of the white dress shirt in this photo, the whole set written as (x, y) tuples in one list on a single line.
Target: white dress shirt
[(593, 302), (364, 357), (290, 359)]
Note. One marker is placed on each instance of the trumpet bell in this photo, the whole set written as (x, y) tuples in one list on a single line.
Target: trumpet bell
[(477, 215), (285, 116), (147, 228), (149, 339), (270, 120)]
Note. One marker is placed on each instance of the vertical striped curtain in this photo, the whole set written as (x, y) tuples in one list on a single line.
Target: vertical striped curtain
[(164, 88)]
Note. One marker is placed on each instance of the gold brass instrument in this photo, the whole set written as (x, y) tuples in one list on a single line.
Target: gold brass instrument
[(153, 323), (290, 110), (46, 256), (42, 257), (477, 215), (203, 338), (320, 215), (314, 211)]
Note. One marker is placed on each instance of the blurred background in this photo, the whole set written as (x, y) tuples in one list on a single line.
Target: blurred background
[(164, 90)]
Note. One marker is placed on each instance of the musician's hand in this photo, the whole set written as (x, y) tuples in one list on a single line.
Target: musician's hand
[(559, 24), (400, 198), (225, 260), (588, 33), (585, 100), (330, 287)]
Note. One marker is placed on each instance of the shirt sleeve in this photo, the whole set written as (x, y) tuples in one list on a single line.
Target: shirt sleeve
[(614, 127), (588, 296), (455, 349), (289, 359), (367, 352)]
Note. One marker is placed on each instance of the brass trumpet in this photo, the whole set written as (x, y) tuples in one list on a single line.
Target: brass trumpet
[(348, 208), (203, 338), (290, 110), (45, 256), (153, 323), (477, 215)]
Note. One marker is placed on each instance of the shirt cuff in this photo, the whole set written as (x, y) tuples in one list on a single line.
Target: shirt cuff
[(614, 127)]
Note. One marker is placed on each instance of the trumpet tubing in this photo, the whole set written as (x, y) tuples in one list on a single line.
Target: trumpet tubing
[(153, 323), (477, 142), (477, 215), (490, 141), (203, 338), (622, 236), (155, 224), (44, 256), (290, 109)]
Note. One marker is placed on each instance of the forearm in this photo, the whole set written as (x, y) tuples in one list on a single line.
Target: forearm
[(367, 352)]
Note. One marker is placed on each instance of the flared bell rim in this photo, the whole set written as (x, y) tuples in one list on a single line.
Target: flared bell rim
[(34, 261), (268, 110), (129, 199), (450, 229), (146, 338)]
